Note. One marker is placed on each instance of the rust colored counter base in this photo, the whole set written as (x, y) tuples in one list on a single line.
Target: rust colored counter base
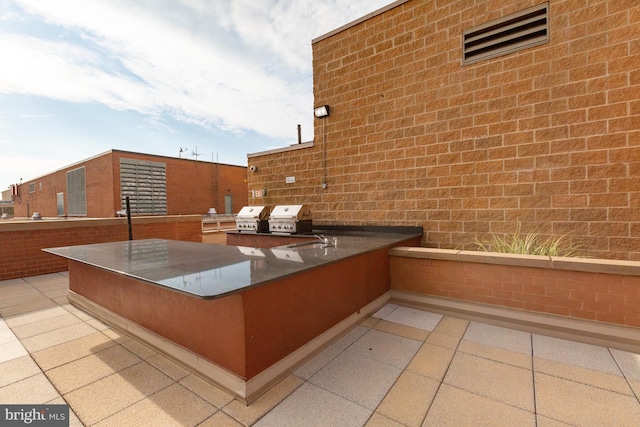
[(246, 341)]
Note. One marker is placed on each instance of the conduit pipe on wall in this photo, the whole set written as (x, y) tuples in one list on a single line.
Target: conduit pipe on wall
[(129, 217)]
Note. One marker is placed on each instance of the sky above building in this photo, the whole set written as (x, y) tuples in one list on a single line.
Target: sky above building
[(220, 78)]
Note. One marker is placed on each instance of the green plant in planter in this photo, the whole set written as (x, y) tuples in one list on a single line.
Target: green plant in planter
[(529, 244)]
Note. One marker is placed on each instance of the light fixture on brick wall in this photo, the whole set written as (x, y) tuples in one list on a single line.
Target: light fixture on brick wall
[(322, 111)]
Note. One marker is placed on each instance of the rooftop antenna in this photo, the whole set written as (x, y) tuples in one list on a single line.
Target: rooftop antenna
[(182, 150), (195, 153)]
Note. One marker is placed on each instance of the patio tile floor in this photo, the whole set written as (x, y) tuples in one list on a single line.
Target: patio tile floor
[(399, 367)]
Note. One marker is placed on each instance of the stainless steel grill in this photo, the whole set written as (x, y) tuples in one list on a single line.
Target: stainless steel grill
[(253, 219), (290, 219)]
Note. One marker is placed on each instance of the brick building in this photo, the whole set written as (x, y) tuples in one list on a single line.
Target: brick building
[(423, 130), (155, 185)]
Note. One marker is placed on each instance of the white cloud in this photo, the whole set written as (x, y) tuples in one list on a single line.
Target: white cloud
[(195, 79), (240, 66), (237, 65)]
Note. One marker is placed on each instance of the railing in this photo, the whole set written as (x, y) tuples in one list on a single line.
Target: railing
[(218, 222)]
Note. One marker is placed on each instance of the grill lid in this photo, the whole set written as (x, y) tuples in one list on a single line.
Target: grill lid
[(253, 212), (299, 212)]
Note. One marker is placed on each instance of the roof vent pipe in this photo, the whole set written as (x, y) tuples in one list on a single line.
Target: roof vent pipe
[(299, 134)]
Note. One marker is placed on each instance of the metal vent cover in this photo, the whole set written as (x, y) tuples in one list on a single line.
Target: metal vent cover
[(145, 183), (520, 30)]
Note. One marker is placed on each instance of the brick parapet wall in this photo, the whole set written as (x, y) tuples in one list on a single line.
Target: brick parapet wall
[(601, 290), (548, 136), (21, 243)]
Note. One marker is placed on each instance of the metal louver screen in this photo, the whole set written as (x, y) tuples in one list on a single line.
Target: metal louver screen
[(514, 32), (76, 193), (145, 183)]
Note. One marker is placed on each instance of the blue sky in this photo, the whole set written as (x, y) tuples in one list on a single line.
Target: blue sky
[(225, 77)]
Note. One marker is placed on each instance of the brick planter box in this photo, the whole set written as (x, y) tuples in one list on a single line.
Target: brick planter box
[(513, 288)]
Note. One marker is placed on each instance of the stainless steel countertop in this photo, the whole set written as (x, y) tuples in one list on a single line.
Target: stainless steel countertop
[(214, 271)]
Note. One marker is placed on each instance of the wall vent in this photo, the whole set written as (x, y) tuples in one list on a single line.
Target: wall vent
[(508, 34), (145, 183), (76, 192)]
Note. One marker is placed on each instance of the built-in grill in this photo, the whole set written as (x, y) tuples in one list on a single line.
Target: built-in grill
[(290, 219), (253, 219)]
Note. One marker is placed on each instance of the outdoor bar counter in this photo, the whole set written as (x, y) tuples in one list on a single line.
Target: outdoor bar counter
[(243, 317)]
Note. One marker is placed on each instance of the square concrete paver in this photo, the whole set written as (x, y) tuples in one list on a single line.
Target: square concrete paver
[(57, 336), (15, 288), (494, 353), (498, 381), (384, 311), (448, 332), (575, 353), (431, 361), (106, 397), (583, 405), (386, 348), (12, 349), (413, 317), (17, 369), (205, 390), (616, 383), (32, 296), (409, 399), (44, 313), (35, 390), (249, 414), (309, 369), (47, 279), (343, 376), (80, 372), (455, 407), (220, 419), (379, 420), (401, 330), (25, 309), (141, 350), (344, 342), (46, 325), (168, 367), (171, 406), (496, 336), (312, 406), (72, 350), (628, 362)]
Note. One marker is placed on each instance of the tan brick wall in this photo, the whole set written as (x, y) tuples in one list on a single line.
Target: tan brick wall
[(548, 136)]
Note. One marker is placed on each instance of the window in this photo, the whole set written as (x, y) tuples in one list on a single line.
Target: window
[(508, 34), (76, 193), (145, 183), (60, 203), (32, 187)]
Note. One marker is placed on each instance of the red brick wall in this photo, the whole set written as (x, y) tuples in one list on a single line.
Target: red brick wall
[(192, 187), (98, 178), (21, 244), (548, 135), (613, 298)]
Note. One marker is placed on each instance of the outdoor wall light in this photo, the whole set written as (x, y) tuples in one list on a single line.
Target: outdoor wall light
[(322, 111)]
